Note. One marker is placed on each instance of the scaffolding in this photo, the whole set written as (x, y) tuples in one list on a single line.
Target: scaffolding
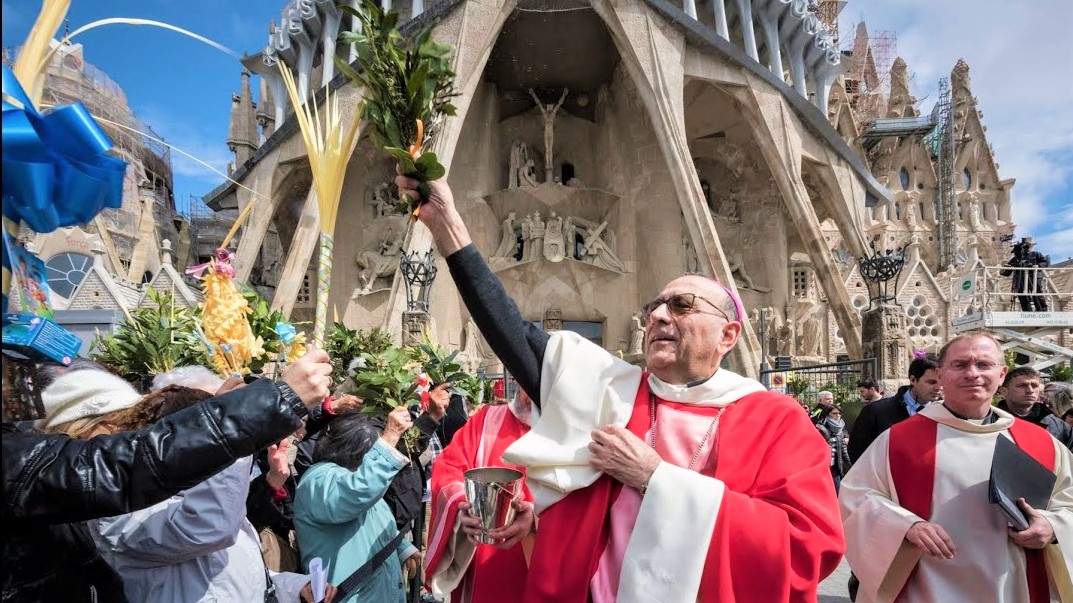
[(827, 12), (868, 78), (941, 143), (983, 299)]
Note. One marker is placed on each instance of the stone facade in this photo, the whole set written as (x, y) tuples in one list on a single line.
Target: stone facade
[(680, 146)]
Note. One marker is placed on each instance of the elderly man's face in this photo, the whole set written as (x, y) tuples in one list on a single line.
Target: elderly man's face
[(971, 373), (686, 347)]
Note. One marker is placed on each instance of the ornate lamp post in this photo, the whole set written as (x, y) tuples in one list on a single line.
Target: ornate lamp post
[(883, 324), (418, 270), (880, 270)]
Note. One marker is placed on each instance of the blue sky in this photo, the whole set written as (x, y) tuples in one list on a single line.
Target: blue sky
[(1019, 58), (181, 87)]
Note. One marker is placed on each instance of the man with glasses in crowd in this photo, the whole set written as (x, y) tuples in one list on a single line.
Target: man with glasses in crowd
[(919, 526), (687, 482)]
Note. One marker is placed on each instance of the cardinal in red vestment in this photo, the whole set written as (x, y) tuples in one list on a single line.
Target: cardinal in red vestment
[(681, 483)]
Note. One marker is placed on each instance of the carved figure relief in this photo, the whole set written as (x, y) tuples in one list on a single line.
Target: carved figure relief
[(522, 167), (784, 337), (526, 230), (637, 335), (595, 251), (728, 207), (975, 223), (809, 344), (548, 113), (379, 261), (911, 218), (554, 247), (382, 200), (508, 242), (536, 237)]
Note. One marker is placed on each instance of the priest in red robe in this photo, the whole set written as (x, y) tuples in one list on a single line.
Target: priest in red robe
[(919, 526), (455, 563), (685, 483)]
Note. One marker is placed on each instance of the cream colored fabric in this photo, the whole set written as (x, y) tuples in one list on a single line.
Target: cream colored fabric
[(582, 388), (676, 520), (988, 565)]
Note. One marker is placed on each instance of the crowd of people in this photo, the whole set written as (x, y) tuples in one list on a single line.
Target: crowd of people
[(681, 481)]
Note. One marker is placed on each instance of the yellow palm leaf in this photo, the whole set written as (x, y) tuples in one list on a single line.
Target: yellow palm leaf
[(328, 145)]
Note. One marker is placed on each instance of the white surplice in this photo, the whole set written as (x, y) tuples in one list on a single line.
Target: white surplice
[(988, 565)]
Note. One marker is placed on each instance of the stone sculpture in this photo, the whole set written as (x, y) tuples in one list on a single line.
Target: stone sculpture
[(911, 219), (637, 335), (570, 238), (736, 262), (974, 213), (382, 200), (548, 113), (554, 247), (536, 237), (810, 334), (596, 252), (508, 243), (522, 167), (527, 246), (378, 262)]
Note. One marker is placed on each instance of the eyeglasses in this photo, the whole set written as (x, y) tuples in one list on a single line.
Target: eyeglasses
[(679, 305)]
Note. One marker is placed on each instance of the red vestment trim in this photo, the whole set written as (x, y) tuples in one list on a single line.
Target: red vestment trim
[(911, 454)]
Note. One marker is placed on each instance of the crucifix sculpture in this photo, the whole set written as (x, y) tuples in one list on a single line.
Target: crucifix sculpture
[(548, 111)]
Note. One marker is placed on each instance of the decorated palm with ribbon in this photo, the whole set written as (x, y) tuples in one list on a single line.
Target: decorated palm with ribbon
[(329, 144), (224, 317)]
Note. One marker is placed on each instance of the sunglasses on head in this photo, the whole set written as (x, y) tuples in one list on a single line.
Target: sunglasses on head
[(679, 305)]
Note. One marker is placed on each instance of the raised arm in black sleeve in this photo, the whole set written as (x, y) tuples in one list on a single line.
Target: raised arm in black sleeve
[(54, 479), (517, 342)]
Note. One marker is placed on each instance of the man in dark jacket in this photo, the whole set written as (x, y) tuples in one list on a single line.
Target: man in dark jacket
[(52, 482), (877, 417), (1021, 397)]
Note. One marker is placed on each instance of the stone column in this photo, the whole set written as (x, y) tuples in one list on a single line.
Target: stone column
[(469, 59), (884, 333), (654, 61), (414, 325), (301, 252)]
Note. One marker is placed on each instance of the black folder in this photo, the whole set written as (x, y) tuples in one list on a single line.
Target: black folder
[(1015, 474)]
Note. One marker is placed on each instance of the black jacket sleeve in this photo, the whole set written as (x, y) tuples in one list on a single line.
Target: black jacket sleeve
[(517, 342), (54, 479)]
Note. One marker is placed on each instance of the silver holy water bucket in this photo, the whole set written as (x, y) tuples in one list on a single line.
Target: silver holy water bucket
[(491, 490)]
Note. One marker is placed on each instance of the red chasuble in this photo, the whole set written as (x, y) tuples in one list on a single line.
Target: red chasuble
[(777, 533), (493, 575)]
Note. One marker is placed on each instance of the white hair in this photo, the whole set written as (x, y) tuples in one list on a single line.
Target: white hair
[(195, 377), (825, 394)]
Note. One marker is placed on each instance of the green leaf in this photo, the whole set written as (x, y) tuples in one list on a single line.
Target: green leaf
[(406, 162)]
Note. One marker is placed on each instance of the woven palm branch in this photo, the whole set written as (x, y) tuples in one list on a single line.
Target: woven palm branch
[(329, 146)]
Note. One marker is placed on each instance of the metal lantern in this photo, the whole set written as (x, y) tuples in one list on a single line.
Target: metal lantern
[(419, 270), (880, 270)]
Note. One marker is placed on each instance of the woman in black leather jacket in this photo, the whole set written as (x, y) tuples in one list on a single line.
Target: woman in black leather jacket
[(52, 483)]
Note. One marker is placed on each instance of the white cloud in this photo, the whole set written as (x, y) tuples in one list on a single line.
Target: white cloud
[(1021, 72)]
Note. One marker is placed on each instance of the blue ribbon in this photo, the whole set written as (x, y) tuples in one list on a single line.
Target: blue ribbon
[(56, 172)]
